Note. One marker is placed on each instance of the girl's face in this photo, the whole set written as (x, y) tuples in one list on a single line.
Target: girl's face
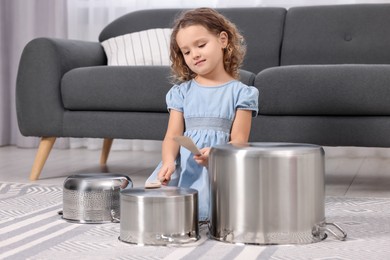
[(202, 50)]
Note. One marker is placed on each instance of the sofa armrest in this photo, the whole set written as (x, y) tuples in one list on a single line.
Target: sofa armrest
[(247, 77), (328, 90), (42, 64)]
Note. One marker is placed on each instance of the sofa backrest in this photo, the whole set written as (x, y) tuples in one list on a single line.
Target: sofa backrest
[(342, 34), (262, 28)]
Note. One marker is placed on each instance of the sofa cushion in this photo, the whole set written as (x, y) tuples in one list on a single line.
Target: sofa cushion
[(323, 130), (358, 90), (342, 34), (148, 47), (116, 88)]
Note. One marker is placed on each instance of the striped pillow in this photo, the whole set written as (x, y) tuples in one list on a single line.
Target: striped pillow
[(149, 47)]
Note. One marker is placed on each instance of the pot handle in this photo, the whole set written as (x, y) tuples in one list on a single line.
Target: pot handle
[(113, 218), (126, 183), (341, 237)]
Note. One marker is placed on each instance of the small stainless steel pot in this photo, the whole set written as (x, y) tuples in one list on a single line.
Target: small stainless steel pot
[(164, 216), (93, 197), (268, 193)]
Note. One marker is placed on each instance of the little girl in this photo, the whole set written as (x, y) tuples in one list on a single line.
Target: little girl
[(208, 104)]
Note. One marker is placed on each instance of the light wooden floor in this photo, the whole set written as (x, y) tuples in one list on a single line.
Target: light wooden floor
[(350, 171)]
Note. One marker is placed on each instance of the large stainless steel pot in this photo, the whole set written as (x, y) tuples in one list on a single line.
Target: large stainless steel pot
[(268, 193), (164, 216), (93, 197)]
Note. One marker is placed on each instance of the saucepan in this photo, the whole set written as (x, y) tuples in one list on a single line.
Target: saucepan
[(164, 216), (269, 193)]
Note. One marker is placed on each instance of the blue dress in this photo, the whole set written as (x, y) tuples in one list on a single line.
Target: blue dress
[(208, 115)]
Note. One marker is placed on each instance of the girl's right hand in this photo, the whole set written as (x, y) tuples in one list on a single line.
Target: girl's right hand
[(203, 158), (164, 175)]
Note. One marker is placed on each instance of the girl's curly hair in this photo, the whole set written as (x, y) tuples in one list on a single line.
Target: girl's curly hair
[(215, 23)]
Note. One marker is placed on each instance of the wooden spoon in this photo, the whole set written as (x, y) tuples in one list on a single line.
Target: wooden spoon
[(187, 143), (153, 184)]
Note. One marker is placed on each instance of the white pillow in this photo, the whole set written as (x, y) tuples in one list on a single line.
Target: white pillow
[(149, 47)]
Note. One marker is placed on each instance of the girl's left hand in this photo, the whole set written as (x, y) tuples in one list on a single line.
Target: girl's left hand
[(203, 159)]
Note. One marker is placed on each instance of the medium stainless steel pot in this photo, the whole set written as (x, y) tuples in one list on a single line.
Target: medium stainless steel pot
[(268, 193), (164, 216), (93, 197)]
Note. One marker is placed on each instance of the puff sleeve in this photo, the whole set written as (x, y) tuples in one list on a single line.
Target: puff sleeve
[(175, 99), (248, 99)]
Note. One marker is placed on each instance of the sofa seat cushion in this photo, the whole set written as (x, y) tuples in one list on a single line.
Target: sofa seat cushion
[(116, 88), (338, 90), (121, 88)]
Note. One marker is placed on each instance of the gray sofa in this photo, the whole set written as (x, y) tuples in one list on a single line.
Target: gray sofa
[(323, 74)]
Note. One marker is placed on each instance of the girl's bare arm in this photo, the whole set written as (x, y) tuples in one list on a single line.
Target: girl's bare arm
[(170, 148), (241, 126)]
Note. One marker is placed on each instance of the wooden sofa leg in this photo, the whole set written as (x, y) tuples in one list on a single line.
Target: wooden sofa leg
[(44, 149), (106, 150)]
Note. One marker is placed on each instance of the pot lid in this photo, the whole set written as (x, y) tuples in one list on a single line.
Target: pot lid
[(267, 148), (160, 193), (97, 181)]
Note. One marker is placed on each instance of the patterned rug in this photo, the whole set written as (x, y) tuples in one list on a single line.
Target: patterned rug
[(30, 228)]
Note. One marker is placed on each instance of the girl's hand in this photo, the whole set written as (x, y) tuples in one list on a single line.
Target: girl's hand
[(203, 159), (164, 175)]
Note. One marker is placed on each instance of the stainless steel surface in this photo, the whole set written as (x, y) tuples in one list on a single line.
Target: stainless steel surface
[(164, 216), (267, 193), (91, 197)]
